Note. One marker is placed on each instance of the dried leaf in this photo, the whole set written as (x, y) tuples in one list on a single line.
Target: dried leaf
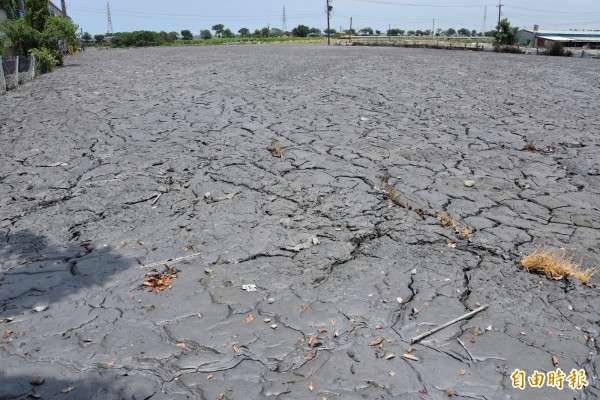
[(376, 342), (378, 327), (309, 356), (555, 361), (68, 389), (6, 333), (452, 245), (209, 376), (390, 356), (391, 373), (110, 363), (462, 372), (304, 306), (236, 349), (311, 387), (399, 300), (123, 243), (249, 318), (41, 308), (450, 393), (221, 396), (131, 296), (180, 345), (141, 242), (410, 357), (423, 391)]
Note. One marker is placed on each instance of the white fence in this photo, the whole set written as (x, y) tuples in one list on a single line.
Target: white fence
[(14, 71)]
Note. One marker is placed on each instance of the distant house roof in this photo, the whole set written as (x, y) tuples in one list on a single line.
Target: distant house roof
[(563, 33), (587, 39)]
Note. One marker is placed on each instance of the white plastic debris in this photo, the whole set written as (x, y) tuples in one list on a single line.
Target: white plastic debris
[(469, 183), (41, 308), (249, 288)]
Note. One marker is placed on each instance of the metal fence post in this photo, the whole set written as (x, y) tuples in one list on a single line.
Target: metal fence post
[(2, 80), (17, 71)]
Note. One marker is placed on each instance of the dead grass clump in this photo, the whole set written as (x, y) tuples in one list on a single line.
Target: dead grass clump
[(275, 148), (447, 221), (466, 232), (530, 146), (390, 192), (385, 177), (556, 265)]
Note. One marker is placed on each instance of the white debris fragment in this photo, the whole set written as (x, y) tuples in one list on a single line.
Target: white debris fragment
[(488, 328), (469, 183), (316, 241), (413, 271), (249, 288), (41, 308)]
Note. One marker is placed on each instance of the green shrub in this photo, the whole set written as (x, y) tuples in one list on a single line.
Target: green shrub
[(46, 60), (558, 50), (508, 49)]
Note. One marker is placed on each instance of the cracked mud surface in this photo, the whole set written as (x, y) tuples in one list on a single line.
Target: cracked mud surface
[(88, 149)]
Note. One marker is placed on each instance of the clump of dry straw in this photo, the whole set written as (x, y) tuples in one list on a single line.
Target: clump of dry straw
[(555, 264)]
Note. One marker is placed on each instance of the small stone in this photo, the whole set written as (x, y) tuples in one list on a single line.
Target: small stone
[(36, 379), (207, 195), (469, 183), (271, 300), (267, 320), (413, 271), (488, 328), (273, 326), (188, 228), (316, 241)]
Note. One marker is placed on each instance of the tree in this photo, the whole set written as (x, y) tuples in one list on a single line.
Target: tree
[(276, 32), (12, 9), (218, 29), (86, 37), (301, 31), (244, 32), (205, 34), (395, 32), (99, 38), (411, 33), (330, 31), (438, 31), (350, 31), (315, 32), (504, 33), (473, 32), (227, 33), (377, 32), (172, 36), (36, 14), (366, 31), (450, 32), (464, 32), (60, 29), (186, 34)]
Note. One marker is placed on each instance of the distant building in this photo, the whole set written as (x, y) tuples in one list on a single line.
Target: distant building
[(545, 37), (52, 9)]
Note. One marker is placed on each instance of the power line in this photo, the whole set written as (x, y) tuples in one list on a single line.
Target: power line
[(417, 5)]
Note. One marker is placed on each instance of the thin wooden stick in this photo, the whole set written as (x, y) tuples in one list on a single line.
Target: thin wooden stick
[(171, 261), (156, 199), (447, 324)]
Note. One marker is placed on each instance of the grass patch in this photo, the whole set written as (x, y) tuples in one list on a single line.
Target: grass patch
[(508, 49), (275, 148), (555, 264), (390, 192), (447, 221), (530, 146)]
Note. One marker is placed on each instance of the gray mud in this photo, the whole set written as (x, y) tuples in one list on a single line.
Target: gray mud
[(86, 150)]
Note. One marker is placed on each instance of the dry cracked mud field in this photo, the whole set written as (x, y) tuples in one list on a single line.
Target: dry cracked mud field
[(344, 276)]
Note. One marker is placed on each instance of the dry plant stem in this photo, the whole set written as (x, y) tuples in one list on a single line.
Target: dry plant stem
[(447, 324)]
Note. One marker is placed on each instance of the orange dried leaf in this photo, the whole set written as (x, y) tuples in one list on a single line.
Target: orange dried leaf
[(221, 396), (110, 363), (450, 393), (462, 372), (376, 341), (311, 387), (249, 318), (180, 345), (309, 356), (304, 306), (6, 333), (123, 243), (236, 349), (209, 376), (555, 361)]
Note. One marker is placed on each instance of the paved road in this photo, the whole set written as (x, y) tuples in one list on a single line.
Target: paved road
[(344, 276)]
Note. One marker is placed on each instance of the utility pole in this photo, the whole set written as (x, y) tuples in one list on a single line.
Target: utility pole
[(433, 29), (500, 5), (63, 5), (484, 27), (350, 31), (390, 32), (284, 26), (329, 9)]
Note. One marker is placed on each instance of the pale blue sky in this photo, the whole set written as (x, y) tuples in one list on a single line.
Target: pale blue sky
[(175, 15)]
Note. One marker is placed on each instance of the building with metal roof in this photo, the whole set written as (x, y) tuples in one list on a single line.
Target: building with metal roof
[(545, 37)]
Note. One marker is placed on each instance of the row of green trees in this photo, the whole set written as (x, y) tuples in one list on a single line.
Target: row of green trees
[(36, 33)]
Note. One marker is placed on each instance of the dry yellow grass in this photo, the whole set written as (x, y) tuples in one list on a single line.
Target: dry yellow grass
[(275, 148), (530, 146), (555, 264), (447, 221), (390, 192)]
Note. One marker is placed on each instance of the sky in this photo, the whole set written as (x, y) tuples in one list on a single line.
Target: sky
[(195, 15)]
